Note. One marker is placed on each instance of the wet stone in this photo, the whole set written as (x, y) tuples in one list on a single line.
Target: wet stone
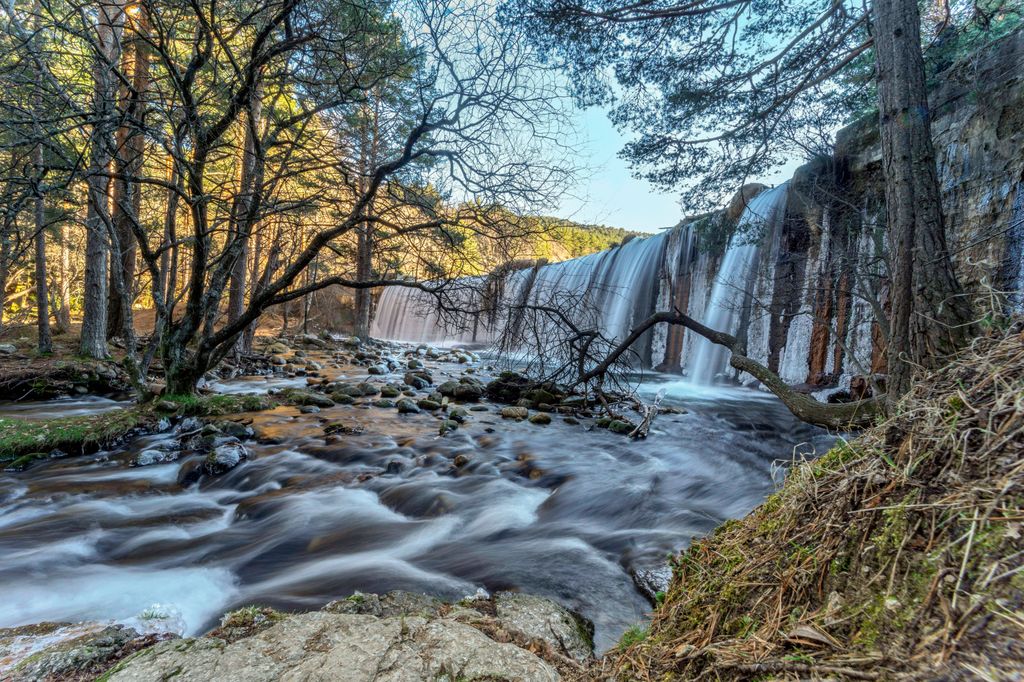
[(517, 412), (406, 406)]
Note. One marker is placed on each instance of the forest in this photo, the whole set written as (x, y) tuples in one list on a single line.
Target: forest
[(315, 362)]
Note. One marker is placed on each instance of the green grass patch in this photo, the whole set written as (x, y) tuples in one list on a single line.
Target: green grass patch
[(22, 441), (634, 635), (218, 405)]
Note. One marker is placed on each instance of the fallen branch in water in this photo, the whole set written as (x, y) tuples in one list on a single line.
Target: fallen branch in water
[(842, 416)]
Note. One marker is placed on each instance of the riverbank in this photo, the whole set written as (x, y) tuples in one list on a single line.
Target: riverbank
[(895, 556)]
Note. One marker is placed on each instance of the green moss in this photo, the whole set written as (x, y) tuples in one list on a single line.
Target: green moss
[(22, 441), (218, 405)]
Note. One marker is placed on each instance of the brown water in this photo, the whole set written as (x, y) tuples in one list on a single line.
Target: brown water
[(564, 511)]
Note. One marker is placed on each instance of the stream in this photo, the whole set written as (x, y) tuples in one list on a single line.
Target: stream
[(563, 511)]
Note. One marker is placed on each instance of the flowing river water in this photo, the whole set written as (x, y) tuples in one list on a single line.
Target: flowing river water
[(564, 511)]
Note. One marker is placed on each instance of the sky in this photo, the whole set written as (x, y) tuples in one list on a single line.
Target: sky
[(608, 194)]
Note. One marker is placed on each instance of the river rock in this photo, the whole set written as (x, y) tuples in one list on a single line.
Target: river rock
[(448, 388), (278, 348), (235, 429), (394, 603), (390, 391), (366, 388), (309, 398), (539, 618), (541, 419), (406, 406), (224, 458), (70, 652), (418, 380), (507, 387), (341, 646), (190, 471), (377, 369), (149, 457), (620, 426), (651, 581), (311, 340), (515, 412), (428, 404), (342, 398)]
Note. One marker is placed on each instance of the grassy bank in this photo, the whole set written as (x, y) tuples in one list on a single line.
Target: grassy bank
[(896, 555), (23, 441)]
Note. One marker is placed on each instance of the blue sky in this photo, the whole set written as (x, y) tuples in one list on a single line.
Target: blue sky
[(608, 194)]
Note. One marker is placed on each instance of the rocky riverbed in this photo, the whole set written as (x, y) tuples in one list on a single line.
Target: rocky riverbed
[(390, 468)]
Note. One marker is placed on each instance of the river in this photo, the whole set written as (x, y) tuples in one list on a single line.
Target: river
[(564, 511)]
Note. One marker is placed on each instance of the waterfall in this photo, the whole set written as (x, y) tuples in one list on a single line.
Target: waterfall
[(611, 291), (730, 304), (412, 315)]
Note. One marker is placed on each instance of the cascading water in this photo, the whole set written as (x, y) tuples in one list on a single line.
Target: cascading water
[(411, 314), (613, 290), (730, 299)]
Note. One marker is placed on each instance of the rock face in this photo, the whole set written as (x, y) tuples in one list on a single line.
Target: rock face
[(397, 637)]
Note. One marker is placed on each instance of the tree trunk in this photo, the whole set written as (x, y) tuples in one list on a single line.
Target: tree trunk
[(364, 272), (241, 218), (45, 343), (370, 148), (109, 22), (931, 316), (5, 268), (130, 145), (64, 283)]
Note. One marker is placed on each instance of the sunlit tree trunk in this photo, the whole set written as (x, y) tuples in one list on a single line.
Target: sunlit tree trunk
[(127, 195), (109, 25), (931, 316), (242, 221)]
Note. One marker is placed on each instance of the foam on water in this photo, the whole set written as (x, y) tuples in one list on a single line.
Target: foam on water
[(118, 594)]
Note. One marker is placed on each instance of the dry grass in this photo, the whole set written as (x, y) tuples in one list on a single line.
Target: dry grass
[(898, 555)]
